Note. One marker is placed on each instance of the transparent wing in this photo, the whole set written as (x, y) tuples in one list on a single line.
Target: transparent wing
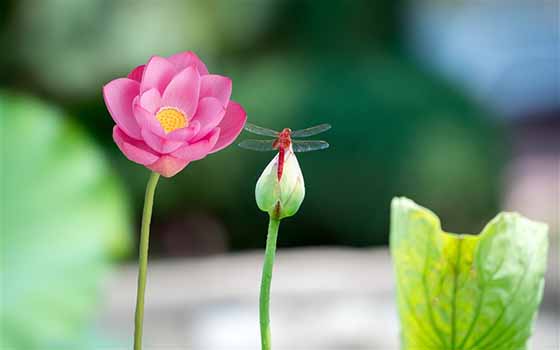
[(258, 145), (308, 146), (260, 130), (314, 130)]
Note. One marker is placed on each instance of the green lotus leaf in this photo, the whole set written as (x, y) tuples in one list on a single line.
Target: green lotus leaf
[(64, 217), (466, 292)]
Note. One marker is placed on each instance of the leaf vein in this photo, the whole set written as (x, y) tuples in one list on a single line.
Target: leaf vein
[(437, 331), (479, 305), (510, 301)]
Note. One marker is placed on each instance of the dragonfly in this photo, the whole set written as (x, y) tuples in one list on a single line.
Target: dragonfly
[(283, 141)]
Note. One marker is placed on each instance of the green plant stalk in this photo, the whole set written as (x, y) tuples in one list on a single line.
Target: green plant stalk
[(265, 282), (143, 259)]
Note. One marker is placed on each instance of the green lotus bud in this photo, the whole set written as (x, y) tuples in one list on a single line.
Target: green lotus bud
[(280, 193)]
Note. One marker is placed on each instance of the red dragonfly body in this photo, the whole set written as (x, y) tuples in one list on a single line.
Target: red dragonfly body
[(283, 141)]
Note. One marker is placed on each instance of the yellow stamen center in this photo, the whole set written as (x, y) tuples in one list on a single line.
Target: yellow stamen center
[(171, 119)]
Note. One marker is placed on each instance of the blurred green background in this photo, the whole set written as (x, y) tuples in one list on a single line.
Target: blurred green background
[(405, 88), (397, 129)]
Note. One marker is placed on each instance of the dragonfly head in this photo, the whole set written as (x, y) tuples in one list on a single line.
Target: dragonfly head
[(286, 131), (284, 139)]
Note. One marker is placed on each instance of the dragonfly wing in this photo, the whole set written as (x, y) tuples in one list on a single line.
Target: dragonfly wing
[(258, 145), (252, 128), (314, 130), (308, 146)]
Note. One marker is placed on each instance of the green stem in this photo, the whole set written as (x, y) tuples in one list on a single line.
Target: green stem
[(265, 283), (143, 259)]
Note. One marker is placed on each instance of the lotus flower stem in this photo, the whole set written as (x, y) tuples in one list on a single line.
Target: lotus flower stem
[(265, 283), (143, 259)]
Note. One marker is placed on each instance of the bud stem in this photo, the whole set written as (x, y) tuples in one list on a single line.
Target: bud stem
[(143, 259), (265, 282)]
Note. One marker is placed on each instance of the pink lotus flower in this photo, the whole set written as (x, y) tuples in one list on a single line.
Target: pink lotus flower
[(170, 112)]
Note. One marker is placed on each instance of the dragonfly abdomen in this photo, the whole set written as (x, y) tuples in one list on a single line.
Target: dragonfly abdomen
[(281, 154)]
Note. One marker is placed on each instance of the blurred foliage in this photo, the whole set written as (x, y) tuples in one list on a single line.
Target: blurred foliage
[(463, 291), (64, 217), (396, 129), (83, 31)]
